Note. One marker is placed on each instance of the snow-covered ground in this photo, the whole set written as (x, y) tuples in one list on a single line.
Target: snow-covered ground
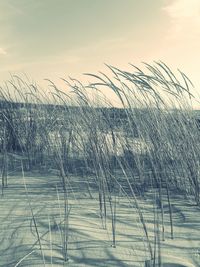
[(89, 241)]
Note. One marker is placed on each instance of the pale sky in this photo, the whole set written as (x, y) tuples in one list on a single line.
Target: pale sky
[(61, 38)]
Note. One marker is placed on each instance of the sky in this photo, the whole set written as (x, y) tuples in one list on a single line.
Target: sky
[(61, 38)]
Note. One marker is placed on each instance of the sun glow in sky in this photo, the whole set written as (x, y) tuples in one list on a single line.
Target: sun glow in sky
[(61, 38)]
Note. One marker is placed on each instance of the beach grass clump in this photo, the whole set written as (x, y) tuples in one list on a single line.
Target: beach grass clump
[(149, 144)]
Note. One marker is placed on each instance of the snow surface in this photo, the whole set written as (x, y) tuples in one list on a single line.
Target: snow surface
[(89, 241)]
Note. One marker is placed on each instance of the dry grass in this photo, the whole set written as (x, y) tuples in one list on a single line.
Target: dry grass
[(152, 143)]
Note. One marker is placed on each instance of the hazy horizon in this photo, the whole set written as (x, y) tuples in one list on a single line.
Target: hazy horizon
[(53, 39)]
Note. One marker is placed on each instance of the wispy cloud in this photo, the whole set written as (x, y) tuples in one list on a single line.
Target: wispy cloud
[(185, 17), (2, 51), (183, 9)]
